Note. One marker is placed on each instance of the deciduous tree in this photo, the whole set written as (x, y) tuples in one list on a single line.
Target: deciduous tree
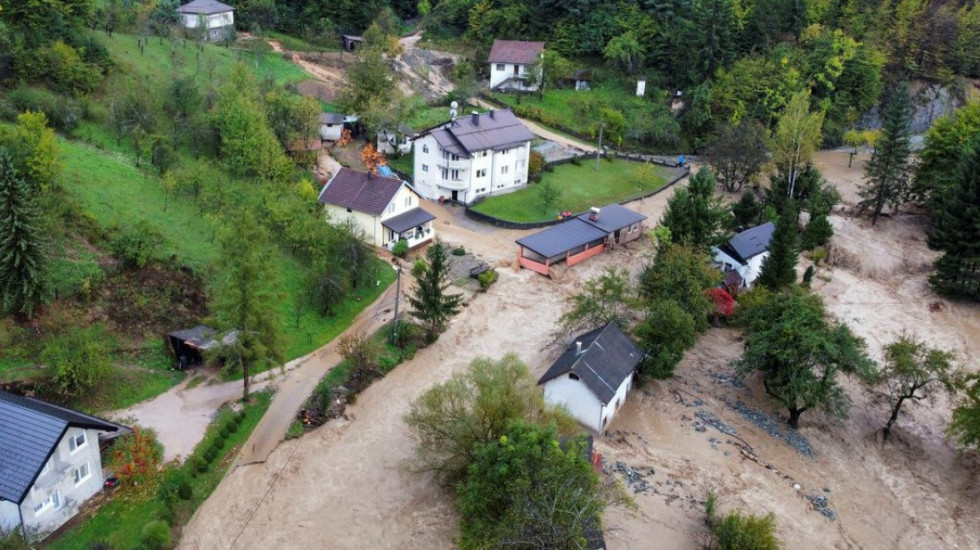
[(682, 274), (431, 304), (888, 171), (664, 334), (965, 427), (797, 136), (603, 299), (738, 153), (911, 370)]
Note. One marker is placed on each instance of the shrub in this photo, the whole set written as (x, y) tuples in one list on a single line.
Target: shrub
[(185, 491), (63, 113), (224, 432), (818, 255), (169, 490), (535, 164), (209, 455), (135, 457), (748, 532), (240, 417), (138, 246), (400, 249), (202, 466), (577, 161), (549, 167), (79, 358), (419, 267), (459, 251), (808, 276), (157, 535), (486, 279), (232, 426)]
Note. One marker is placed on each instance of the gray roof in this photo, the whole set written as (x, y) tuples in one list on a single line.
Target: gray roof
[(749, 243), (331, 118), (576, 232), (29, 433), (204, 338), (403, 222), (515, 51), (468, 134), (360, 191), (613, 217), (205, 7), (608, 358)]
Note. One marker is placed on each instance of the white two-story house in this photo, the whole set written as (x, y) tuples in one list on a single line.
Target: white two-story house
[(471, 157), (218, 19), (50, 463), (512, 63), (385, 208), (744, 254)]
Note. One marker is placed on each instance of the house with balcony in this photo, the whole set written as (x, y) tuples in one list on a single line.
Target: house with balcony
[(472, 157), (741, 258), (210, 17), (512, 65), (50, 463), (385, 208)]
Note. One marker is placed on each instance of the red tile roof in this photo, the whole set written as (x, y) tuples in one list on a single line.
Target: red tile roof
[(515, 51), (360, 191)]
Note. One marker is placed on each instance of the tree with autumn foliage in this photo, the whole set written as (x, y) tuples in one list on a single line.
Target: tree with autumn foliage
[(135, 458), (371, 158), (723, 302)]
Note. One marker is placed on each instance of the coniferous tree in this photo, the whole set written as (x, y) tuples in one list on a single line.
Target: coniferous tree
[(956, 232), (431, 304), (23, 249), (746, 211), (695, 213), (888, 172), (779, 268)]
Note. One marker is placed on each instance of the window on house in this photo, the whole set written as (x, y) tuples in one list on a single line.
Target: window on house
[(455, 174), (634, 228), (504, 169), (391, 207), (500, 66), (425, 147), (408, 200), (425, 167), (481, 173), (445, 173), (82, 473), (348, 210), (455, 157), (52, 502), (484, 154), (76, 442), (573, 376)]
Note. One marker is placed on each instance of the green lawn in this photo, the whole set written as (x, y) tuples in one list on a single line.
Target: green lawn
[(580, 188), (120, 522), (426, 117)]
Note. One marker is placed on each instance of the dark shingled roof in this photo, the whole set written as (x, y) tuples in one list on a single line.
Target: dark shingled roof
[(575, 232), (360, 191), (331, 118), (613, 216), (749, 243), (206, 7), (403, 222), (29, 432), (608, 357), (515, 51), (468, 134)]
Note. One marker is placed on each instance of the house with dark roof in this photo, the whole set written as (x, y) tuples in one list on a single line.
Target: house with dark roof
[(385, 208), (50, 463), (744, 255), (395, 139), (512, 63), (472, 156), (592, 378), (578, 239), (210, 17)]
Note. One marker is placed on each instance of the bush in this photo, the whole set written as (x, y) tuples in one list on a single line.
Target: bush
[(459, 251), (63, 113), (202, 466), (135, 457), (138, 246), (486, 279), (577, 161), (240, 417), (157, 535), (535, 165), (400, 249), (224, 432), (210, 455), (232, 426), (79, 358), (817, 232), (738, 532), (169, 490), (418, 268), (185, 491)]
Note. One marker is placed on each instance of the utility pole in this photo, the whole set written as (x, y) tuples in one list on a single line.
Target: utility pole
[(598, 150), (398, 294)]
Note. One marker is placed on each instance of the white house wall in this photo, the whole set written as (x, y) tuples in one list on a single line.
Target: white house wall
[(749, 271), (331, 132), (61, 478), (581, 403), (498, 76), (214, 21), (503, 171), (610, 410), (375, 233)]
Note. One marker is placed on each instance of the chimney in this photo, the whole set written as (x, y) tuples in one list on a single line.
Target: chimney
[(578, 348), (476, 119), (594, 214)]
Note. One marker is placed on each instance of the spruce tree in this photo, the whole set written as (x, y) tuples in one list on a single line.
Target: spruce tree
[(431, 304), (746, 211), (779, 268), (695, 213), (889, 170), (956, 230), (23, 249)]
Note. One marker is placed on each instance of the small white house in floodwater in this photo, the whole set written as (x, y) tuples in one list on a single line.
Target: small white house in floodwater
[(50, 463), (744, 254), (594, 376), (217, 18)]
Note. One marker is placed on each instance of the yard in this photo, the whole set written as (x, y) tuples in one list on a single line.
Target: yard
[(579, 188)]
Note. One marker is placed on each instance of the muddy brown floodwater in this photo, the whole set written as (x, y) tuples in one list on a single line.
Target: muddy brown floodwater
[(349, 484)]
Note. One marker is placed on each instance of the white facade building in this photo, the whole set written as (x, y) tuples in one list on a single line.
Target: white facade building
[(745, 253), (512, 63), (216, 17), (472, 157), (51, 463), (331, 126), (594, 376), (386, 209)]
